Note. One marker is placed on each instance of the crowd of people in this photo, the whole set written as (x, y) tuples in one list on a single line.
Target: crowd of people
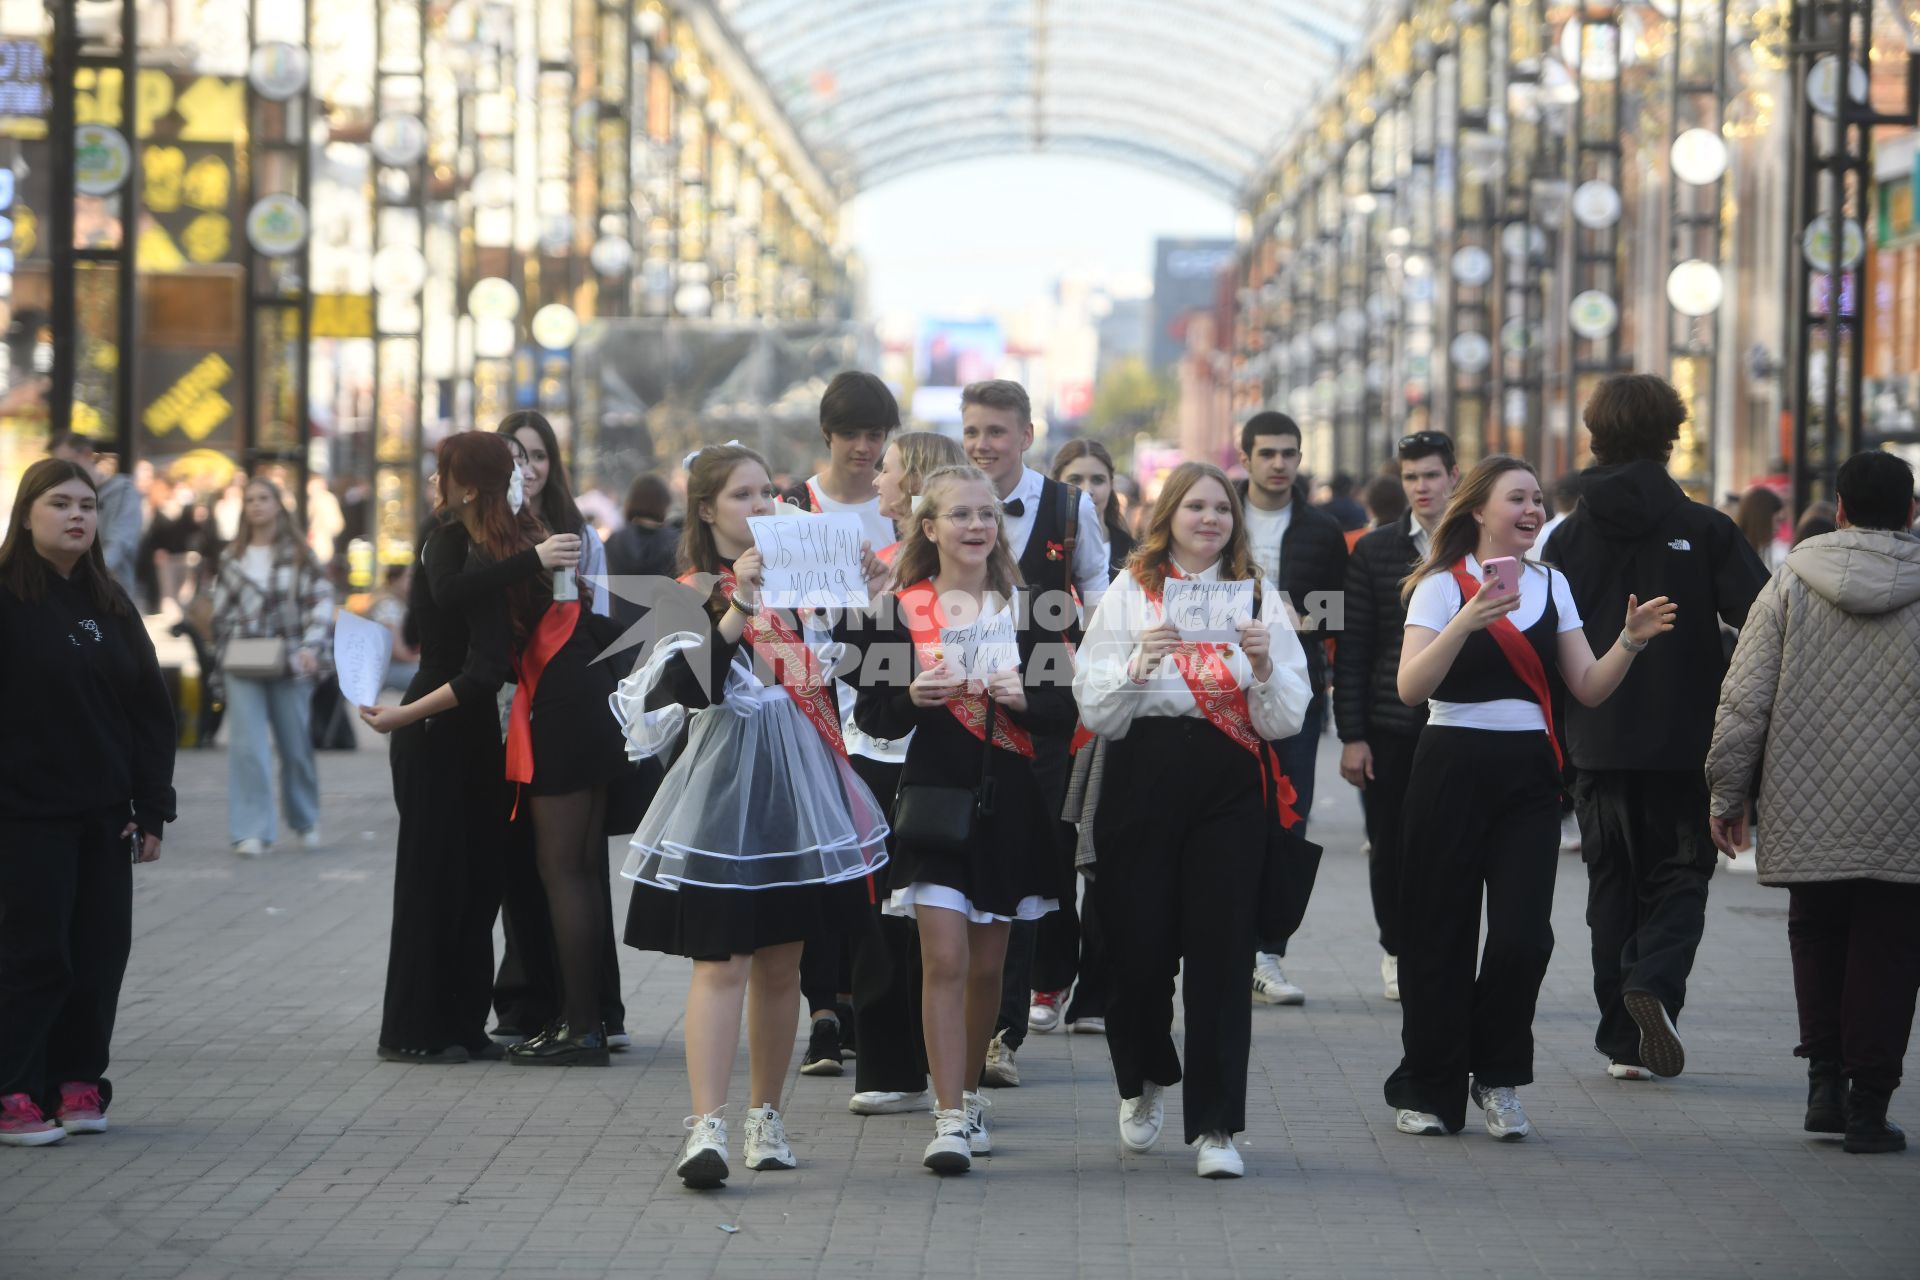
[(931, 844)]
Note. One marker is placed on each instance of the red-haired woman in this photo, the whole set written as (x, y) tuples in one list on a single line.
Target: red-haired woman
[(448, 861), (86, 787), (562, 743), (1191, 793)]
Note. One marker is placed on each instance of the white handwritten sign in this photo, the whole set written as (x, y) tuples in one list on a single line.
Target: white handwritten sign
[(362, 648), (1209, 611), (811, 561), (981, 648)]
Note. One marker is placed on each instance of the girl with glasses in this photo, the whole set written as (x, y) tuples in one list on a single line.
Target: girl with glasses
[(963, 887)]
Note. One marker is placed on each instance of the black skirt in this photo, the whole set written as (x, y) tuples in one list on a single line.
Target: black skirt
[(577, 743), (713, 924)]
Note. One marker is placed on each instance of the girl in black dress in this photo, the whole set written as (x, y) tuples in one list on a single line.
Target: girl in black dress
[(955, 567), (449, 857), (761, 835)]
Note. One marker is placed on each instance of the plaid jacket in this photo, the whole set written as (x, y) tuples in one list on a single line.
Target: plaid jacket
[(295, 604)]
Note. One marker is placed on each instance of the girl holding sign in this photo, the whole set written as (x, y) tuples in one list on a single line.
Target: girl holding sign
[(966, 878), (761, 836), (1191, 793), (1480, 653)]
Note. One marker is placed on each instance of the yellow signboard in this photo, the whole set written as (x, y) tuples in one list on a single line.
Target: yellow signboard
[(342, 315)]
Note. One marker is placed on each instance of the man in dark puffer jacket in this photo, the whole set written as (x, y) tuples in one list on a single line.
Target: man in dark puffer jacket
[(1378, 731)]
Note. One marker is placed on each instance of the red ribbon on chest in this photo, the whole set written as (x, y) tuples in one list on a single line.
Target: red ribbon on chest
[(921, 609), (556, 628), (795, 667), (1520, 655)]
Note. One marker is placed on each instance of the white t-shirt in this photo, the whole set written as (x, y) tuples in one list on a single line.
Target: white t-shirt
[(878, 528), (1437, 598), (1265, 530)]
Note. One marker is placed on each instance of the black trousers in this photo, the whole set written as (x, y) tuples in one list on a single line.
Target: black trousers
[(1299, 756), (1856, 969), (1384, 802), (66, 927), (886, 979), (1041, 954), (526, 991), (1649, 855), (1482, 817), (1182, 834)]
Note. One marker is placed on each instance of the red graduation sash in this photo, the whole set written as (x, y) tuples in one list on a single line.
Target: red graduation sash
[(921, 608), (1520, 655), (795, 668), (1203, 665), (887, 553), (556, 628)]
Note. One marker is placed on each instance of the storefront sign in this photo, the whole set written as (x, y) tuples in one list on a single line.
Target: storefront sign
[(194, 404), (342, 315), (278, 70), (277, 226), (102, 160)]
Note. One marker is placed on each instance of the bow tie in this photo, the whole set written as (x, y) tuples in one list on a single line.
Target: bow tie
[(1013, 507)]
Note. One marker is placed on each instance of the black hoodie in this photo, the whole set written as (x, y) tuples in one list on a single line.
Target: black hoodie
[(1636, 532)]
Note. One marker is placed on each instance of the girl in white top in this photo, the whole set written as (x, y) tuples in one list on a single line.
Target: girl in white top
[(1482, 806), (1191, 796)]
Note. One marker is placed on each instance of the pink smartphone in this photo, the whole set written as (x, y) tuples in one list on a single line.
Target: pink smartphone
[(1504, 573)]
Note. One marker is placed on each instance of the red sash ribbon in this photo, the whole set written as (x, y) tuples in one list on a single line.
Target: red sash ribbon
[(556, 628), (795, 668), (921, 608), (1203, 665), (1520, 655), (888, 553)]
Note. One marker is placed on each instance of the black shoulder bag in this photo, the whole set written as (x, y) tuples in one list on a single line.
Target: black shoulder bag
[(941, 819)]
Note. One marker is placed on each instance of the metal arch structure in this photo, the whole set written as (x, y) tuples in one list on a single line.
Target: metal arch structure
[(1201, 90)]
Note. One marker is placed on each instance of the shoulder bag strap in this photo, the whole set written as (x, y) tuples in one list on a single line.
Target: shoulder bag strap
[(983, 798)]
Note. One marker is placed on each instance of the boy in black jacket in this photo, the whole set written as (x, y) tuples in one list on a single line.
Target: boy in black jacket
[(1641, 756)]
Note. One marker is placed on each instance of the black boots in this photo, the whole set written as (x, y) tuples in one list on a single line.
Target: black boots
[(1869, 1132), (1826, 1098)]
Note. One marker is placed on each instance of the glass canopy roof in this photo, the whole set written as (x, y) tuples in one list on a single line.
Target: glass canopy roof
[(1201, 89)]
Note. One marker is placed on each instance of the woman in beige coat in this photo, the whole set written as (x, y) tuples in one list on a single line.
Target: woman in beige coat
[(1820, 716)]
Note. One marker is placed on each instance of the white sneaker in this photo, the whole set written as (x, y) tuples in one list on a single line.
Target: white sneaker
[(1043, 1014), (1000, 1071), (1418, 1123), (251, 847), (1088, 1026), (1506, 1118), (1630, 1071), (1218, 1158), (979, 1127), (1142, 1118), (767, 1140), (703, 1160), (886, 1102), (1270, 985), (950, 1151), (310, 840), (1390, 977), (1660, 1046)]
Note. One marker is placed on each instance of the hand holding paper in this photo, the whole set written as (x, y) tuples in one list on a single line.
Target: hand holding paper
[(362, 650), (1209, 611), (811, 561), (982, 648)]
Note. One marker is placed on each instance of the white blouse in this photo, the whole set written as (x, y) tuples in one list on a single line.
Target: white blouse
[(1110, 700)]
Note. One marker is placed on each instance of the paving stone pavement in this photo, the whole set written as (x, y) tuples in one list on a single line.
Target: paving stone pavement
[(255, 1134)]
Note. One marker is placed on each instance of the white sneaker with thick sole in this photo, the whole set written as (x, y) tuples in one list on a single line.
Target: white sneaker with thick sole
[(1000, 1072), (310, 840), (1506, 1118), (887, 1102), (950, 1151), (1390, 977), (1660, 1046), (1629, 1071), (1043, 1013), (1088, 1026), (1270, 985), (979, 1125), (767, 1140), (1419, 1123), (251, 847), (1218, 1158), (703, 1158), (1142, 1118)]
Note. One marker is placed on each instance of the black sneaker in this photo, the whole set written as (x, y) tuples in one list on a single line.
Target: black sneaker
[(822, 1057), (848, 1025)]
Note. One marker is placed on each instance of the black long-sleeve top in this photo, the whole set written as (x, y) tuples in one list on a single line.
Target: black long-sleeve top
[(89, 722), (883, 707), (458, 606)]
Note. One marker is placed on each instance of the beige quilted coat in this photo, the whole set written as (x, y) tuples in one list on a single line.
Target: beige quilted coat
[(1823, 703)]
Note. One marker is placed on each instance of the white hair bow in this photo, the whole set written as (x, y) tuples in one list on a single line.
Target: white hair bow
[(686, 463)]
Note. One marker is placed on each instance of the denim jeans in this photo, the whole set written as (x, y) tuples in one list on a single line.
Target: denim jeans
[(252, 706)]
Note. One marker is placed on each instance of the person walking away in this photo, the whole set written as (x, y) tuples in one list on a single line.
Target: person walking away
[(1379, 732), (1191, 794), (120, 507), (1059, 545), (272, 624), (86, 791), (1759, 520), (1302, 553), (1822, 708), (1484, 630), (1639, 790)]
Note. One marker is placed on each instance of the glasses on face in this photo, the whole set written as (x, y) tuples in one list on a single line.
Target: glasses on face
[(1426, 440), (962, 518)]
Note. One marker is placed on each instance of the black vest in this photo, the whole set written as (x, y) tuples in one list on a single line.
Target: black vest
[(1047, 563), (1481, 672)]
